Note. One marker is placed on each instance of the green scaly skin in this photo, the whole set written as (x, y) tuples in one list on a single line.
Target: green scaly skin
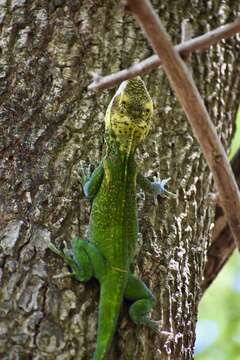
[(113, 228)]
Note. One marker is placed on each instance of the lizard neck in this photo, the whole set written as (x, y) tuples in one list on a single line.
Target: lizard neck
[(124, 149), (119, 164)]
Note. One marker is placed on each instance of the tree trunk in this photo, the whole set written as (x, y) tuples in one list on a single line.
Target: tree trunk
[(49, 122)]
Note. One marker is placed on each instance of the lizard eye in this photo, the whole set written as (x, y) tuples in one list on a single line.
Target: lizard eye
[(124, 102), (147, 110)]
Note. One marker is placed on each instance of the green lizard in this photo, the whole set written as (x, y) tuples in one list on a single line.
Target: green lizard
[(113, 228)]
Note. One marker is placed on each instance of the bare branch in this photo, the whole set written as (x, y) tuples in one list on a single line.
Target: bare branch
[(222, 245), (198, 117), (199, 43)]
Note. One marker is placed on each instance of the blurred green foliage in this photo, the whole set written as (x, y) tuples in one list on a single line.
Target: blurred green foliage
[(218, 327)]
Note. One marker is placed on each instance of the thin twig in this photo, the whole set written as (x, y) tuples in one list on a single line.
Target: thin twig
[(198, 117), (199, 43)]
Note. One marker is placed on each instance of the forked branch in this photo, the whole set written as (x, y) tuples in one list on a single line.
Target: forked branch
[(199, 43)]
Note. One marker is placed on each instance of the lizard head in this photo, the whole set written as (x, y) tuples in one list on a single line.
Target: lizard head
[(129, 113)]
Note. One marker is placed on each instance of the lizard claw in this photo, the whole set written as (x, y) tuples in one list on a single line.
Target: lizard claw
[(165, 181)]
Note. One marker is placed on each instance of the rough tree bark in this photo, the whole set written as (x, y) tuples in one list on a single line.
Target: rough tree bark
[(49, 122)]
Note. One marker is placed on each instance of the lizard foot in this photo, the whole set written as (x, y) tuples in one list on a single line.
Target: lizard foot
[(159, 187), (85, 171), (68, 257)]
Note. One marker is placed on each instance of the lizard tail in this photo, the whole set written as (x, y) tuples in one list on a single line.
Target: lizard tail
[(111, 295)]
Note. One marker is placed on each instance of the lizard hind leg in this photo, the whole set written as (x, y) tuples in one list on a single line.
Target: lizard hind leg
[(143, 302), (89, 259)]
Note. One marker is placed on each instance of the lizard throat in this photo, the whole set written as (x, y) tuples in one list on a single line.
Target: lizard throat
[(129, 133)]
